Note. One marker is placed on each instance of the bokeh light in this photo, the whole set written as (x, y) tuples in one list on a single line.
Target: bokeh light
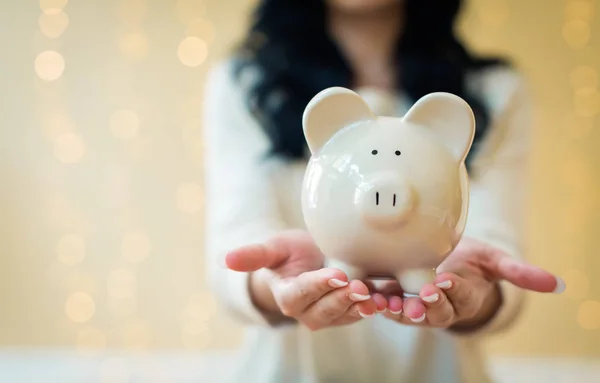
[(188, 10), (134, 45), (202, 29), (53, 25), (121, 284), (124, 124), (588, 315), (70, 249), (80, 307), (90, 338), (584, 77), (578, 283), (49, 65), (576, 33), (189, 198), (136, 246), (52, 7), (192, 51), (579, 10), (69, 148), (587, 102), (131, 12)]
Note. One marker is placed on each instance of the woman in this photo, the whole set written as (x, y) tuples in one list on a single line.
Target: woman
[(272, 275)]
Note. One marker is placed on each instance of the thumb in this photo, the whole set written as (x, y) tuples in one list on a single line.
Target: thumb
[(526, 276), (255, 257)]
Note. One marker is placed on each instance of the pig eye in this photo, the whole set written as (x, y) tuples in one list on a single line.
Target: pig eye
[(398, 152), (374, 152)]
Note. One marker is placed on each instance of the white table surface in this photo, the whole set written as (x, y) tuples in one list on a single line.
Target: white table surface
[(66, 366)]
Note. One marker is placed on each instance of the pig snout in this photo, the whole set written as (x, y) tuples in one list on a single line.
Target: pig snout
[(385, 200)]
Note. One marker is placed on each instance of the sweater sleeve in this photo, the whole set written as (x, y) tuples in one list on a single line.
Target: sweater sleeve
[(241, 206), (499, 187)]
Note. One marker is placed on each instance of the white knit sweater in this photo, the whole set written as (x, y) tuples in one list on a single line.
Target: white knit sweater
[(249, 199)]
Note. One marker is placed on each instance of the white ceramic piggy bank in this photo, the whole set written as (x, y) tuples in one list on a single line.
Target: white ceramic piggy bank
[(385, 196)]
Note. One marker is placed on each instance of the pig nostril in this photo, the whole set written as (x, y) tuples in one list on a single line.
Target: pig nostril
[(394, 200), (377, 198)]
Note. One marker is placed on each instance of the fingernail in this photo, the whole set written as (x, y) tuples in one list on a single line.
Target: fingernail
[(444, 285), (358, 297), (222, 263), (419, 319), (336, 283), (396, 312), (431, 298), (381, 311), (560, 286), (366, 315)]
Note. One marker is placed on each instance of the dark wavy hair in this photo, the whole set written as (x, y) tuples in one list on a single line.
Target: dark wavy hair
[(289, 47)]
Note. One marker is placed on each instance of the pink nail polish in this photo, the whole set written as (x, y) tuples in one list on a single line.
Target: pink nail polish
[(366, 315)]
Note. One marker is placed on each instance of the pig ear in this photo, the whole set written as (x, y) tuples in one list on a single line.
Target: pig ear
[(447, 116), (329, 111)]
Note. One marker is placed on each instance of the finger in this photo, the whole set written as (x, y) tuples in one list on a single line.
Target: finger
[(380, 302), (460, 293), (525, 276), (336, 304), (414, 309), (395, 305), (440, 312), (412, 312), (356, 312), (295, 295), (254, 257)]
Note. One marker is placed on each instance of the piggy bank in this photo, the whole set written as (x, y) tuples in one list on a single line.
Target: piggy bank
[(386, 197)]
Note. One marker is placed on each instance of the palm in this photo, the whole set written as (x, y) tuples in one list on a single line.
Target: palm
[(287, 255), (483, 263), (470, 258), (300, 254)]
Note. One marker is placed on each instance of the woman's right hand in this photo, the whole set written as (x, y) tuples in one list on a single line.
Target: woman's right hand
[(288, 281)]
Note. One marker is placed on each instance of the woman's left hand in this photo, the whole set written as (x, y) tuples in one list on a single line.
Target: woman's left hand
[(465, 293)]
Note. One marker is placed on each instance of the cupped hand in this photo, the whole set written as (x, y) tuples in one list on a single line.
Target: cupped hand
[(465, 293), (288, 279)]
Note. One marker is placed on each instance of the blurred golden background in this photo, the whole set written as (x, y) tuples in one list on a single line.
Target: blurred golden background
[(101, 225)]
